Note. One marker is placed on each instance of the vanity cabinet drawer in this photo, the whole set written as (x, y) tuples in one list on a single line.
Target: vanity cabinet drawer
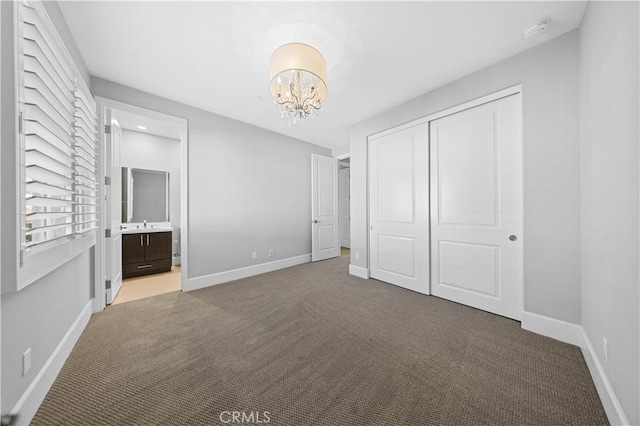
[(146, 268)]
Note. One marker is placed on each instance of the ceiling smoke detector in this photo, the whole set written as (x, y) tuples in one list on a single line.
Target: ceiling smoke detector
[(535, 29)]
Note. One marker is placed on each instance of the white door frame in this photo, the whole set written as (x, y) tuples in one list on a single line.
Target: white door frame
[(102, 105), (340, 158), (426, 119)]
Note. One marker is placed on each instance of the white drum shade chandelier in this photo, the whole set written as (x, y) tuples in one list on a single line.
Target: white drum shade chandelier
[(298, 80)]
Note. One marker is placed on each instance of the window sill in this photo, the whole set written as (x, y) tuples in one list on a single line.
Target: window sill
[(41, 263)]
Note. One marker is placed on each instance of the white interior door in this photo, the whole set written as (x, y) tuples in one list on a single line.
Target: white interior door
[(399, 208), (344, 207), (113, 191), (325, 236), (476, 207)]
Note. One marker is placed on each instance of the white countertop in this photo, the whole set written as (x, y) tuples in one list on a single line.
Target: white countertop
[(147, 230)]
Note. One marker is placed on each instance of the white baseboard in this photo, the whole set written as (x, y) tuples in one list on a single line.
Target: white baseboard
[(249, 271), (550, 327), (608, 397), (359, 271), (575, 335), (30, 401)]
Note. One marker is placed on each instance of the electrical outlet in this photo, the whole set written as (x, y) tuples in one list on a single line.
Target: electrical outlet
[(270, 252), (26, 362), (357, 256), (254, 255), (605, 349)]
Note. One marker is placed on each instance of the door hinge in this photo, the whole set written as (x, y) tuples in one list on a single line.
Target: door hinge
[(107, 284), (107, 233), (107, 180), (21, 258), (20, 123), (107, 129)]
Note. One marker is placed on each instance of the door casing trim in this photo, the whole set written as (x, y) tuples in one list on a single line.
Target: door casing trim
[(103, 104)]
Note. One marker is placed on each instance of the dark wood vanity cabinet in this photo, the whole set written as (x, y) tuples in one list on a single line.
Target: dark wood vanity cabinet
[(146, 253)]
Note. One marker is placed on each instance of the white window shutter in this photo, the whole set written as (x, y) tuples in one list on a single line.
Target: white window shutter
[(48, 134), (60, 138), (86, 136)]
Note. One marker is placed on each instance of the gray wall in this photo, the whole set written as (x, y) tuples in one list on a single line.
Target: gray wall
[(152, 152), (548, 74), (609, 114), (9, 187), (39, 315), (249, 188), (1, 138)]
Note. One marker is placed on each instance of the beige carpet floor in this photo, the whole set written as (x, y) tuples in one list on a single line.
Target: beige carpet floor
[(312, 345)]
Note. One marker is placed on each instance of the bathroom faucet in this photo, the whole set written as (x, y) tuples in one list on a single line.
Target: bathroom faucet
[(145, 223)]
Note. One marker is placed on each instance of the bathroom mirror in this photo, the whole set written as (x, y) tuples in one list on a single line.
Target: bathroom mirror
[(145, 195)]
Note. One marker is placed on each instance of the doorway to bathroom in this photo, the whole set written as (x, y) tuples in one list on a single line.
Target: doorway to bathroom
[(344, 204), (144, 209)]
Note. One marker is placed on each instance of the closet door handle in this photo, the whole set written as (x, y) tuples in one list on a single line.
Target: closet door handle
[(147, 239)]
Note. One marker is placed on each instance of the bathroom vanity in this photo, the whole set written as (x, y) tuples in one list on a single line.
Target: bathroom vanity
[(146, 251), (147, 234)]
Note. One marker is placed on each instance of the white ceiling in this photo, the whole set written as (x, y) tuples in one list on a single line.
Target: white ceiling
[(214, 55)]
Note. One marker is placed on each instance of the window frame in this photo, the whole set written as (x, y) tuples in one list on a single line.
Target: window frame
[(37, 261)]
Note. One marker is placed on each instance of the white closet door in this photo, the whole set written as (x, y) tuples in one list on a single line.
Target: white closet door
[(476, 207), (399, 208)]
